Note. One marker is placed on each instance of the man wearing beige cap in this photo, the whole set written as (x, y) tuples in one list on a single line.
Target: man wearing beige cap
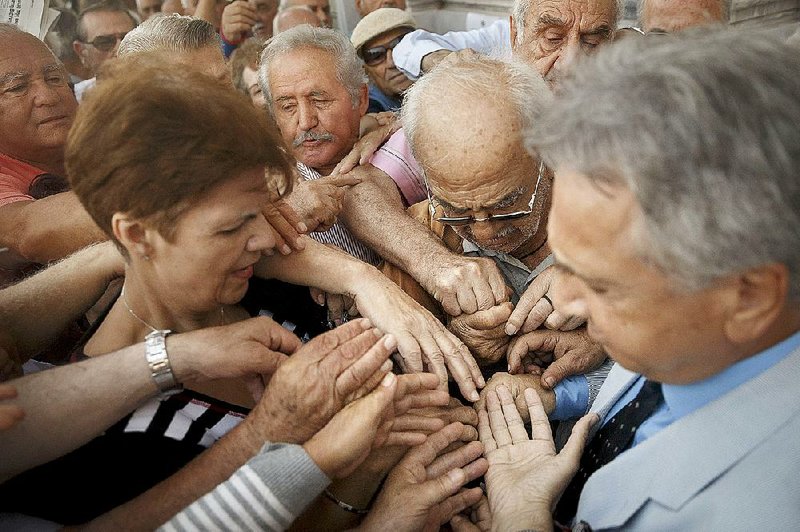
[(374, 37)]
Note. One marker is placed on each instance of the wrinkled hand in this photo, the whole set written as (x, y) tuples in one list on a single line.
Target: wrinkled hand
[(238, 19), (476, 519), (465, 284), (557, 354), (349, 436), (424, 490), (516, 385), (256, 346), (424, 420), (484, 332), (311, 386), (423, 342), (286, 226), (10, 414), (526, 477), (368, 144), (535, 307), (318, 201)]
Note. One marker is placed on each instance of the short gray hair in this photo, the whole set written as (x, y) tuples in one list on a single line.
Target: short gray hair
[(703, 130), (521, 9), (485, 79), (349, 67), (176, 33)]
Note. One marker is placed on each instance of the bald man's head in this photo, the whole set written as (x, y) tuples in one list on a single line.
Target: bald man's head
[(669, 16)]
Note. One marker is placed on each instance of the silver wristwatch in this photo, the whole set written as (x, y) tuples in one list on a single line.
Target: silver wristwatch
[(155, 351)]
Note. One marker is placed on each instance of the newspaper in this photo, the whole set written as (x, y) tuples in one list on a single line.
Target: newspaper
[(34, 16)]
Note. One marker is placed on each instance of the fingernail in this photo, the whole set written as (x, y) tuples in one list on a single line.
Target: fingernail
[(549, 381), (474, 396), (303, 228), (510, 329), (388, 380), (593, 421), (387, 365), (285, 249), (390, 342)]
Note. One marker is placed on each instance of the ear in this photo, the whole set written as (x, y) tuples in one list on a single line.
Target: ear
[(363, 100), (513, 32), (133, 235), (760, 301), (358, 8), (78, 46)]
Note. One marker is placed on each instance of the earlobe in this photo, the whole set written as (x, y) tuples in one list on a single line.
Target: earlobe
[(760, 300), (133, 236)]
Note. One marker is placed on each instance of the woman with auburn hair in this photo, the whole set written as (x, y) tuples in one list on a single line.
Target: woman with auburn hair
[(176, 167)]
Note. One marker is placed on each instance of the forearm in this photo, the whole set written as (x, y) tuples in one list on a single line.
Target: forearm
[(357, 490), (67, 406), (205, 11), (318, 265), (534, 518), (48, 229), (35, 311), (398, 238), (285, 472)]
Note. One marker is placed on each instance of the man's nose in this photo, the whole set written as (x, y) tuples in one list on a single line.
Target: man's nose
[(485, 230), (45, 94), (307, 117), (568, 297), (567, 56)]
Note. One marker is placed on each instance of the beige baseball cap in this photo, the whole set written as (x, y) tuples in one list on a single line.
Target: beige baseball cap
[(379, 22)]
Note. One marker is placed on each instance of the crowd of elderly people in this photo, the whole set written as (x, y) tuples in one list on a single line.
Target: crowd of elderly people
[(266, 276)]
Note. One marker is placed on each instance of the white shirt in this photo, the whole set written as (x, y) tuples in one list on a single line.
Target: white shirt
[(493, 40)]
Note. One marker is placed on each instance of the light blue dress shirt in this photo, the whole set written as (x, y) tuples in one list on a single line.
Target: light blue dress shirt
[(682, 400)]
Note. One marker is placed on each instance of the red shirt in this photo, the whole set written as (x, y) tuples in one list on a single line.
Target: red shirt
[(15, 179)]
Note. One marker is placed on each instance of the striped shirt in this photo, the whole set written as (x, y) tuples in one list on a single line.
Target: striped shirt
[(267, 493), (338, 235)]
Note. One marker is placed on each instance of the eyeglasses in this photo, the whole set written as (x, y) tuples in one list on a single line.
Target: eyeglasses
[(376, 55), (641, 32), (104, 43), (467, 220)]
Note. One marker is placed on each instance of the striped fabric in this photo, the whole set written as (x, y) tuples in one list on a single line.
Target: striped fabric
[(267, 493), (338, 235), (188, 417)]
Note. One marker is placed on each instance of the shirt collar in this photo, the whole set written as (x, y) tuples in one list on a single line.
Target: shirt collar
[(685, 399)]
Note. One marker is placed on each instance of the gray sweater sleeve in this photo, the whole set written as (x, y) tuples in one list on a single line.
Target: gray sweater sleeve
[(267, 493)]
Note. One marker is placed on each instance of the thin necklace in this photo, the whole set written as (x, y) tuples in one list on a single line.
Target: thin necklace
[(132, 313)]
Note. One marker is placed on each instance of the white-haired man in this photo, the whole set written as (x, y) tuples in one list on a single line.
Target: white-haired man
[(548, 35), (690, 278)]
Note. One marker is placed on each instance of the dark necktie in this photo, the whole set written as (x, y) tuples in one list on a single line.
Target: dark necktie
[(612, 439)]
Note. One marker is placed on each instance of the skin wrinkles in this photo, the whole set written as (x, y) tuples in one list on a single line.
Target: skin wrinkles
[(308, 97), (36, 103), (557, 33), (101, 23), (385, 75)]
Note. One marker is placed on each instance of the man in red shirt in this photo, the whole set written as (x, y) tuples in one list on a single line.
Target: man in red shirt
[(39, 221)]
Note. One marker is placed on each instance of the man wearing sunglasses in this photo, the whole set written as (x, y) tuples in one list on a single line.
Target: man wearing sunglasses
[(100, 29), (374, 37)]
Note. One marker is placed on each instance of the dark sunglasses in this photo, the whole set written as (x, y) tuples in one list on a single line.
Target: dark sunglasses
[(376, 55), (104, 43)]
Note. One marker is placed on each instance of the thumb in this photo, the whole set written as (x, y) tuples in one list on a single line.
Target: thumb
[(440, 488), (557, 371), (573, 449), (538, 287), (490, 318)]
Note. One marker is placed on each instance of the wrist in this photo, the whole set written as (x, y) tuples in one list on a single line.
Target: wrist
[(534, 517), (233, 41)]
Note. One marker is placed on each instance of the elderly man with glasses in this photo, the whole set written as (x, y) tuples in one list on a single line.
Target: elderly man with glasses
[(489, 197), (374, 38)]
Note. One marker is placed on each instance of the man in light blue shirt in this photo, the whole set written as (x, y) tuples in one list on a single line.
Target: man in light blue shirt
[(676, 228)]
